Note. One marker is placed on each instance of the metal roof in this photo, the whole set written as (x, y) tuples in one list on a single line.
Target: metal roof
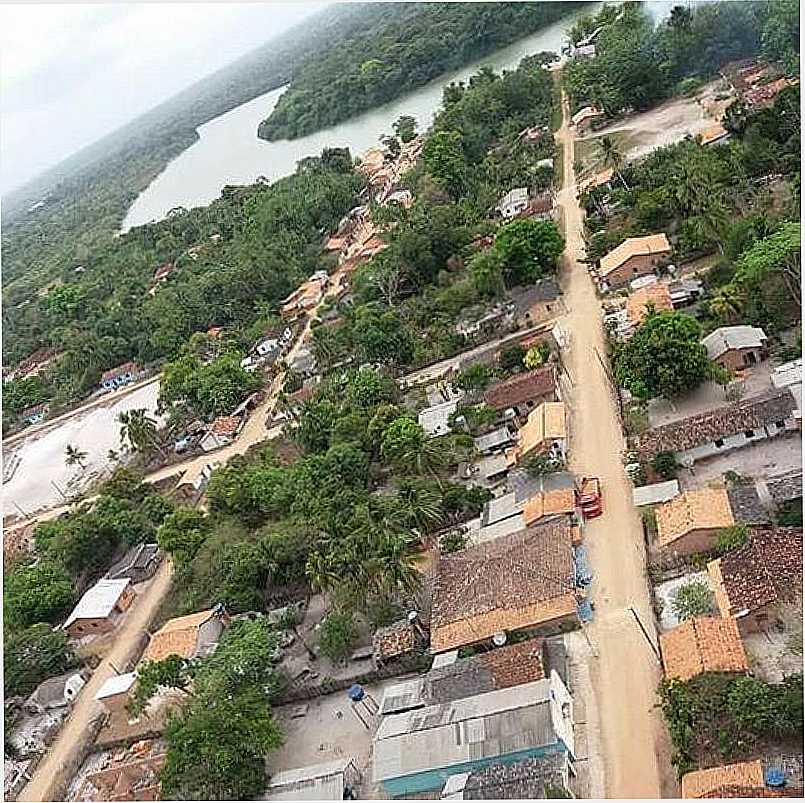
[(489, 725), (316, 782), (117, 684), (722, 340), (497, 437), (787, 374), (99, 601), (656, 493)]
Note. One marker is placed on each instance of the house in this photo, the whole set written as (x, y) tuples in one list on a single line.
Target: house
[(494, 442), (520, 582), (536, 778), (701, 783), (545, 431), (100, 608), (512, 203), (399, 640), (584, 118), (714, 134), (721, 430), (736, 347), (522, 392), (789, 375), (138, 564), (750, 583), (436, 420), (114, 692), (56, 692), (602, 179), (122, 375), (635, 256), (655, 297), (128, 774), (703, 644), (692, 521), (489, 320), (192, 636), (685, 291), (417, 751), (332, 780), (452, 678), (35, 414), (549, 503), (536, 303), (162, 273), (223, 431), (781, 489)]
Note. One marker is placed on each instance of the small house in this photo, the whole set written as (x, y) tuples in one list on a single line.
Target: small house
[(602, 179), (122, 375), (417, 752), (513, 203), (723, 429), (100, 608), (752, 582), (584, 118), (477, 595), (655, 297), (549, 504), (435, 420), (521, 393), (703, 644), (191, 636), (129, 774), (636, 256), (222, 432), (545, 432), (138, 564), (537, 303), (115, 690), (736, 347), (332, 780), (56, 692), (692, 521), (714, 134), (494, 442)]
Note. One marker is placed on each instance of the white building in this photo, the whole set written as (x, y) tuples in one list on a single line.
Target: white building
[(513, 203)]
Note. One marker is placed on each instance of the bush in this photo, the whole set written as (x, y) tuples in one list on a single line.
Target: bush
[(731, 538), (541, 464), (337, 636), (665, 465), (693, 599), (636, 419), (454, 541)]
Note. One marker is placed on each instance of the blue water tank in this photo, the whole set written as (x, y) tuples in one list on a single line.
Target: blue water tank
[(356, 693), (775, 778)]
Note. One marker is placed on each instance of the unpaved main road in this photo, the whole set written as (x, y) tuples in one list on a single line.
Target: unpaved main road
[(625, 673)]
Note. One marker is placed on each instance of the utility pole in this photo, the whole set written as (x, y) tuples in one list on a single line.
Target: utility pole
[(643, 630)]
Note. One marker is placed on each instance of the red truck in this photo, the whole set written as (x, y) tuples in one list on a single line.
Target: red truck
[(588, 495)]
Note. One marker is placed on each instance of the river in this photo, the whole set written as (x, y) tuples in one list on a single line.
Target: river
[(228, 150)]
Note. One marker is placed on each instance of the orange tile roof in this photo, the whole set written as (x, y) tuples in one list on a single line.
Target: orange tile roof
[(545, 423), (637, 304), (225, 425), (634, 246), (177, 636), (702, 509), (597, 180), (703, 644), (713, 133), (702, 782), (548, 503)]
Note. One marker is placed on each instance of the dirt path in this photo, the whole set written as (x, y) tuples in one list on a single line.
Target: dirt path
[(625, 673), (59, 763)]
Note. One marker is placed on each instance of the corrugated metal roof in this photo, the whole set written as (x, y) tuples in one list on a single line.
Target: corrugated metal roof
[(722, 340), (486, 726), (99, 601), (117, 684), (656, 493)]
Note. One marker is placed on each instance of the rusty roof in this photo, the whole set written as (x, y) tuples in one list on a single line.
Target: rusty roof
[(656, 296), (752, 413), (177, 636), (225, 425), (702, 509), (703, 644), (517, 581), (399, 638), (549, 503), (522, 388), (632, 247), (703, 782), (768, 569)]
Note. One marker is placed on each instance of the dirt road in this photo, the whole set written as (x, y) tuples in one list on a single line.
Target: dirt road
[(625, 673), (59, 763)]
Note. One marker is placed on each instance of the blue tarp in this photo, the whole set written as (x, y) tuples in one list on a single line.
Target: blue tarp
[(584, 574), (585, 610)]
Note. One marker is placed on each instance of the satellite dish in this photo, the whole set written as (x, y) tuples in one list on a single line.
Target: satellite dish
[(499, 639)]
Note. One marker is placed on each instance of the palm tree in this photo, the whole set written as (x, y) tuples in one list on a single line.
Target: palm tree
[(728, 303), (73, 455), (612, 156), (140, 430), (420, 505)]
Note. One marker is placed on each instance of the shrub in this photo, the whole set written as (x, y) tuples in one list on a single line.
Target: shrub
[(337, 636), (731, 538), (542, 464), (665, 465), (453, 541), (693, 599)]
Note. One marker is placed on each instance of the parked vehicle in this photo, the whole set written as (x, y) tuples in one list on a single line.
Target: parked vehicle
[(589, 497)]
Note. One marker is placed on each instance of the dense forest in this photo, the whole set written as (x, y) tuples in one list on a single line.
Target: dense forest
[(639, 63), (407, 48)]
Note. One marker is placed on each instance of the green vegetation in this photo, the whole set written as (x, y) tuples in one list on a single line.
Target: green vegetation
[(337, 636), (729, 715), (405, 48), (693, 599), (664, 357), (665, 465), (638, 65), (33, 654), (731, 538)]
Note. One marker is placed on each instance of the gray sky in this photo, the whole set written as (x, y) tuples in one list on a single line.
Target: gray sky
[(71, 73)]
